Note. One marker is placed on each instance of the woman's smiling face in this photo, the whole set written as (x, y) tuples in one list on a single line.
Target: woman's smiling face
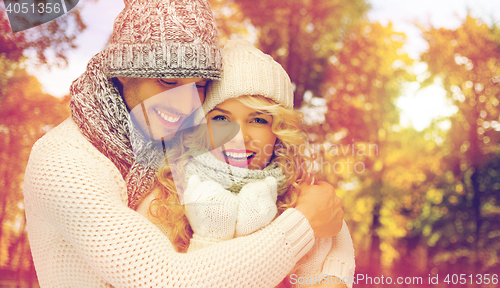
[(253, 146)]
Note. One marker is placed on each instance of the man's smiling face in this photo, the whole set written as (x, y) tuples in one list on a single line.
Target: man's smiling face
[(160, 105)]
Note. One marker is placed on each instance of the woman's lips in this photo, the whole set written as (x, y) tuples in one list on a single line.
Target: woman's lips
[(238, 158)]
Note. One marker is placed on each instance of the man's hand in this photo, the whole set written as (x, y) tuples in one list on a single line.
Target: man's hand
[(322, 207)]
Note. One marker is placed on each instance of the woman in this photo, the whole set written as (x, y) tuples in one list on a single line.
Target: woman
[(241, 186)]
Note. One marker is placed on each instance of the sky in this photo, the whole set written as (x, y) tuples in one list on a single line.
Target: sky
[(403, 14)]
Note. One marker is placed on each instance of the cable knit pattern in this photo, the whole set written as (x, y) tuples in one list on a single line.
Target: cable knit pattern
[(82, 234), (164, 39)]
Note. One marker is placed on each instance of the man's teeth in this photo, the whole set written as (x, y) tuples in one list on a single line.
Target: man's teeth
[(168, 118), (238, 155)]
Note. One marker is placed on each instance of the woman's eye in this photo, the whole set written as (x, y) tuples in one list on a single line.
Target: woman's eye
[(260, 120), (220, 118)]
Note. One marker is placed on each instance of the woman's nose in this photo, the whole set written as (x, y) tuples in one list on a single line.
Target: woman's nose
[(239, 141)]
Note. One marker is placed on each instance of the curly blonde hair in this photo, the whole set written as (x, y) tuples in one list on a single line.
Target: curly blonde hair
[(291, 152)]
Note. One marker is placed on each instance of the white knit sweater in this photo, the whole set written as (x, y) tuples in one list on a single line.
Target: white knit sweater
[(82, 234), (328, 257), (333, 256)]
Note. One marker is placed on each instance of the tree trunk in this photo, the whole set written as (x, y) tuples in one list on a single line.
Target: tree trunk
[(375, 252)]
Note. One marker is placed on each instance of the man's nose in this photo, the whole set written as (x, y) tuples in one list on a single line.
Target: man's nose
[(188, 98)]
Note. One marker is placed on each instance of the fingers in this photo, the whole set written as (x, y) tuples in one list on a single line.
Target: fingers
[(322, 207)]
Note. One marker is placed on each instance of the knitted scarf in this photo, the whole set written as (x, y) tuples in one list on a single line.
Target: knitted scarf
[(232, 178), (102, 117)]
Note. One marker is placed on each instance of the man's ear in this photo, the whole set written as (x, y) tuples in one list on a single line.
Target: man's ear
[(122, 80), (118, 84)]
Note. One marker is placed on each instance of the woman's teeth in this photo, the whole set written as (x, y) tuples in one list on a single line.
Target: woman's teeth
[(168, 118), (238, 155)]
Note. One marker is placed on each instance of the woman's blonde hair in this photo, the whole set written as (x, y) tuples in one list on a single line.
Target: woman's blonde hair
[(291, 152)]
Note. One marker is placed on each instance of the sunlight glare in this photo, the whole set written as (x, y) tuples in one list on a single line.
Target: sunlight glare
[(420, 107)]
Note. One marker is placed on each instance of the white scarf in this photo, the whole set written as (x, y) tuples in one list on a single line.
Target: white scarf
[(232, 178)]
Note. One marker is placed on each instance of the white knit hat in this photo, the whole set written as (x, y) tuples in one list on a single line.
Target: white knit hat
[(248, 71)]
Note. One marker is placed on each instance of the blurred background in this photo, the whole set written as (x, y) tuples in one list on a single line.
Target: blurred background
[(401, 101)]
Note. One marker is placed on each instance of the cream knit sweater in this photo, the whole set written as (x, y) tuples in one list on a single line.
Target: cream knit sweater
[(82, 234), (255, 208)]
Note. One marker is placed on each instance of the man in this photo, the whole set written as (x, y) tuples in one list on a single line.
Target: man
[(86, 177)]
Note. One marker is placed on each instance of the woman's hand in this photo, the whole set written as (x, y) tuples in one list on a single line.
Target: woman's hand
[(322, 207), (257, 206), (210, 209)]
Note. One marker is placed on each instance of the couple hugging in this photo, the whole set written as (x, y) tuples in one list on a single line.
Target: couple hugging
[(178, 168)]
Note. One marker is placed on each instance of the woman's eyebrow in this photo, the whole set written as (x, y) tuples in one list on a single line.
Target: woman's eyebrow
[(257, 113), (222, 110)]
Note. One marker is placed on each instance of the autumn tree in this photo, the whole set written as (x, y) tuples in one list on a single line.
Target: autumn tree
[(466, 61), (301, 35), (363, 81), (26, 113), (46, 44)]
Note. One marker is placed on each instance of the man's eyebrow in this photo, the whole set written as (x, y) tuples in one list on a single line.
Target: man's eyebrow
[(221, 110)]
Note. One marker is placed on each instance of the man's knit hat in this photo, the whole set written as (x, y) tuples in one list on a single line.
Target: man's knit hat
[(164, 39), (248, 71)]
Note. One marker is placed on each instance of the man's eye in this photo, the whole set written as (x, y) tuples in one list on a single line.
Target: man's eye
[(165, 82), (201, 85)]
